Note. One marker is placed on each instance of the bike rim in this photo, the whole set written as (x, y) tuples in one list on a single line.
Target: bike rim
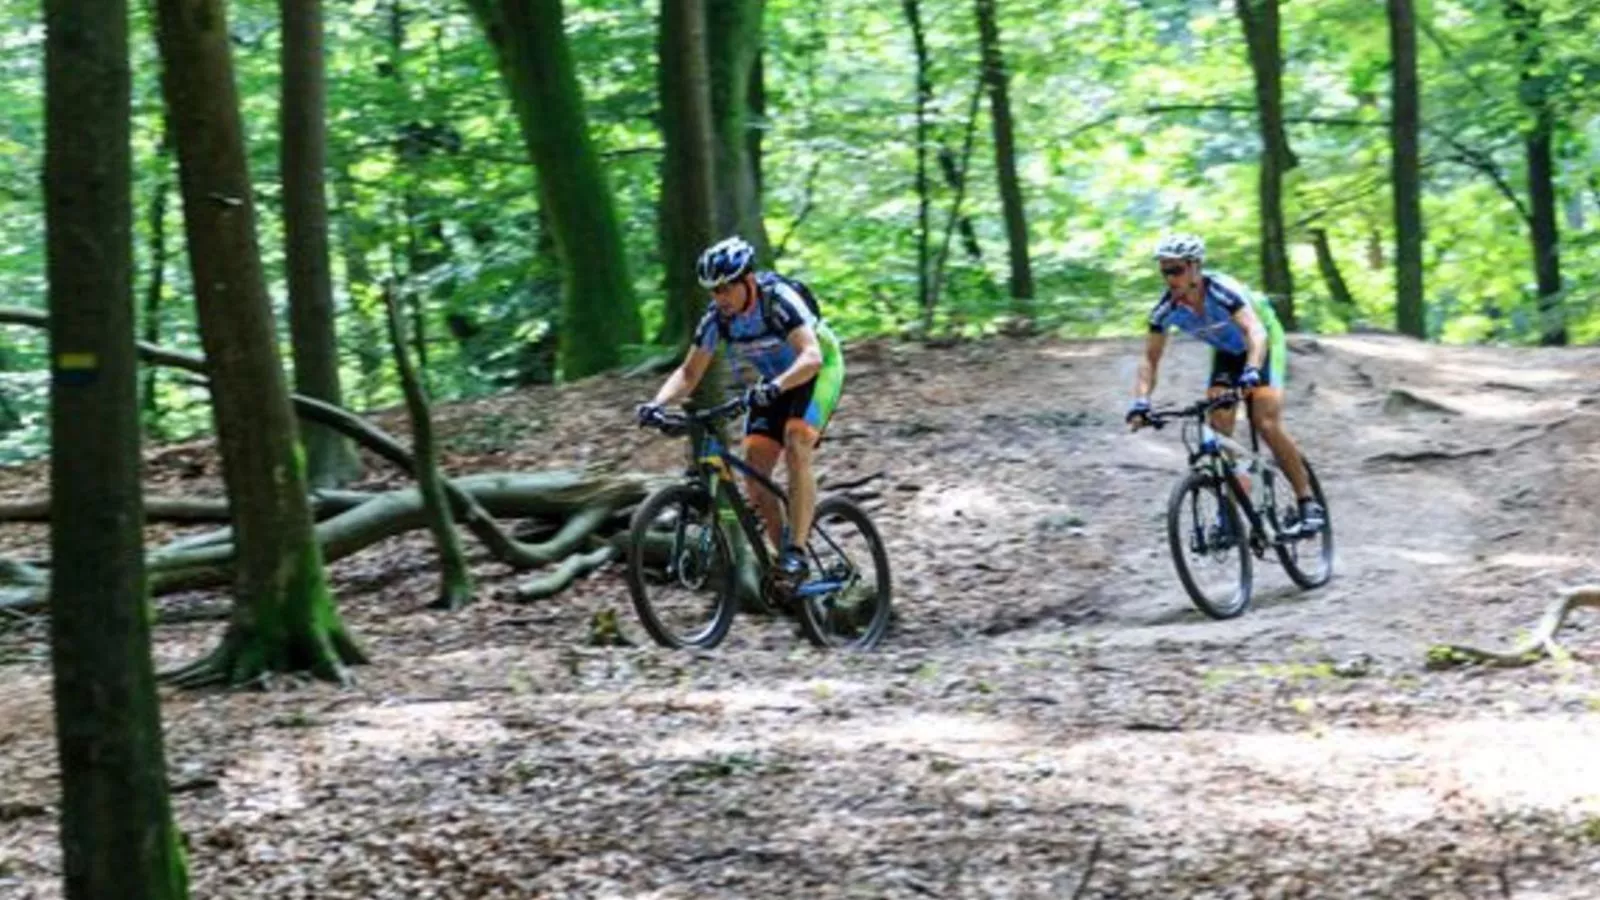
[(1213, 539), (682, 572)]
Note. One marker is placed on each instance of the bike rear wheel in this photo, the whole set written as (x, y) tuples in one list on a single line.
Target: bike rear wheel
[(1308, 560), (845, 603), (680, 571), (1210, 545)]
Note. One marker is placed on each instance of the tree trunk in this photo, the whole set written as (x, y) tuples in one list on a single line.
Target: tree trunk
[(284, 618), (688, 198), (330, 460), (359, 286), (158, 276), (1005, 157), (1537, 137), (919, 46), (1329, 267), (756, 102), (455, 586), (1407, 170), (599, 312), (117, 834), (733, 31), (956, 177), (1260, 21)]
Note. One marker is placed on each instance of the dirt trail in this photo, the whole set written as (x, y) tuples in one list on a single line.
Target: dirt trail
[(1050, 719)]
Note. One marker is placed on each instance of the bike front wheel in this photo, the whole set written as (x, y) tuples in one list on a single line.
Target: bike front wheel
[(846, 602), (1210, 545), (680, 571)]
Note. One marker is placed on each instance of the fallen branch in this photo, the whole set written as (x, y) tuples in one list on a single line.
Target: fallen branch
[(1540, 644), (571, 569)]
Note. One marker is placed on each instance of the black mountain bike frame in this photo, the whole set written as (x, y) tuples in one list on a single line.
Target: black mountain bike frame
[(713, 466)]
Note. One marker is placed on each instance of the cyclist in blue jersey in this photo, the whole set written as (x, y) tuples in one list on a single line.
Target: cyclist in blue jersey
[(796, 367), (1248, 352)]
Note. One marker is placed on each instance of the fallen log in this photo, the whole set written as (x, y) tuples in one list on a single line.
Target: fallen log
[(586, 504)]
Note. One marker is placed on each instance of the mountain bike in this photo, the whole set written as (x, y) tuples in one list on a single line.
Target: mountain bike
[(1230, 500), (683, 571)]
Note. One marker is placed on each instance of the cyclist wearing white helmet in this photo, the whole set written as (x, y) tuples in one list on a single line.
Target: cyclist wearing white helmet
[(774, 331), (1248, 352)]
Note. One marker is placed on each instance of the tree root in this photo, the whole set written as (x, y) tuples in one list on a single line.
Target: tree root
[(562, 576), (241, 660), (1541, 644), (209, 564)]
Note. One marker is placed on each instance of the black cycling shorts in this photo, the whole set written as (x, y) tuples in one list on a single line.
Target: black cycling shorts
[(771, 420), (1227, 367)]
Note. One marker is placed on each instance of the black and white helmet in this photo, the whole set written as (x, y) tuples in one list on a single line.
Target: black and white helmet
[(1181, 246), (724, 261)]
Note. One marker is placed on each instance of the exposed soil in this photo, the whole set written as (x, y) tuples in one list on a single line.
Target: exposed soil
[(1049, 718)]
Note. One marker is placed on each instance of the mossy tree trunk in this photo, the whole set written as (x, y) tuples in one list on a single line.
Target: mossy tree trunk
[(117, 833), (688, 198), (284, 616), (600, 314), (733, 33), (330, 459)]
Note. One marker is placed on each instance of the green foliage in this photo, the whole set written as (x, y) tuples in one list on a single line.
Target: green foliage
[(1130, 118)]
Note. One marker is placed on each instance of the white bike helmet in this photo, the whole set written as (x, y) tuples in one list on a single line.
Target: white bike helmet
[(725, 261), (1181, 246)]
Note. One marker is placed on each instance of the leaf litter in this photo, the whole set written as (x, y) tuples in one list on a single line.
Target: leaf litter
[(1049, 717)]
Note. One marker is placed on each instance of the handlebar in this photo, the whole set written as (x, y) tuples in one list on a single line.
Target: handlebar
[(677, 422), (1158, 418)]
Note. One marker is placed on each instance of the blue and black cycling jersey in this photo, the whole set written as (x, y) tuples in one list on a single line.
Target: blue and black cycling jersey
[(1214, 324), (756, 338)]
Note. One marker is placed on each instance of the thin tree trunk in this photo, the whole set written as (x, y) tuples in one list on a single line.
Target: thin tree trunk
[(733, 32), (359, 287), (1407, 169), (688, 198), (455, 579), (919, 46), (1538, 137), (330, 460), (1005, 157), (957, 176), (285, 618), (158, 276), (757, 104), (117, 833), (1261, 31), (424, 237), (1329, 267), (600, 314)]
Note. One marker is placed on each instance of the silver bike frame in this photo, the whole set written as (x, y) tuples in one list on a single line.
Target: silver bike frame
[(1218, 448)]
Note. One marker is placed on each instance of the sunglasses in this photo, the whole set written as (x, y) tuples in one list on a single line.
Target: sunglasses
[(1170, 271)]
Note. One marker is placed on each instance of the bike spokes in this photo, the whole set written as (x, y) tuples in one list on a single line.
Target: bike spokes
[(1209, 542), (845, 602), (679, 569)]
